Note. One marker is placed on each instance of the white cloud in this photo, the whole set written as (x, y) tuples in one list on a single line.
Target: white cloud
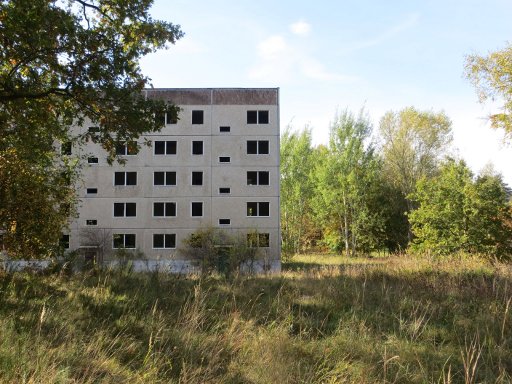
[(313, 69), (280, 61), (300, 28), (272, 47), (408, 23)]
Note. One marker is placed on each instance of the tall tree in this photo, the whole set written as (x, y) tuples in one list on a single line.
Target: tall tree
[(64, 63), (296, 188), (346, 177), (492, 77), (413, 142)]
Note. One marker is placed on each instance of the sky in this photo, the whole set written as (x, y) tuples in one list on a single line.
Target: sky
[(332, 55)]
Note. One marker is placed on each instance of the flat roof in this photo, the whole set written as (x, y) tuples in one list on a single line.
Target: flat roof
[(216, 96)]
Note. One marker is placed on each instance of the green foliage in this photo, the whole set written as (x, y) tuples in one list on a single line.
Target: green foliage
[(456, 213), (64, 63), (347, 186), (36, 201), (297, 163), (492, 77), (217, 251), (413, 143)]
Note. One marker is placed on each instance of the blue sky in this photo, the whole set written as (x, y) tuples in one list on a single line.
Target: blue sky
[(329, 55)]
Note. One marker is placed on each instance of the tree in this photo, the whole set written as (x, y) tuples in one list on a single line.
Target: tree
[(64, 63), (413, 142), (296, 188), (346, 183), (492, 77), (456, 213)]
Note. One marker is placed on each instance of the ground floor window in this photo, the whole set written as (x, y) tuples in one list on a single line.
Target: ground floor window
[(123, 240)]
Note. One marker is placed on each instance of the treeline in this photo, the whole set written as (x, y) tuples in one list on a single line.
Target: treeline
[(393, 190)]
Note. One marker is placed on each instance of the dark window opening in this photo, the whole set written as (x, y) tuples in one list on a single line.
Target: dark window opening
[(263, 147), (225, 129), (224, 159), (166, 147), (224, 221), (257, 117), (91, 222), (125, 209), (197, 178), (122, 240), (164, 178), (64, 241), (92, 191), (252, 178), (258, 209), (92, 160), (197, 147), (171, 118), (263, 178), (167, 241), (197, 209), (262, 117), (164, 209), (224, 190), (125, 178), (252, 117), (257, 147), (197, 117)]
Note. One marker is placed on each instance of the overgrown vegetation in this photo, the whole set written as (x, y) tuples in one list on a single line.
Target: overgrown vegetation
[(393, 320)]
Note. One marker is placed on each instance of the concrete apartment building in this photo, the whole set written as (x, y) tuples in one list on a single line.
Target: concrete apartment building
[(217, 166)]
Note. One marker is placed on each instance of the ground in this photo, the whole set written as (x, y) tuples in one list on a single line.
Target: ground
[(325, 319)]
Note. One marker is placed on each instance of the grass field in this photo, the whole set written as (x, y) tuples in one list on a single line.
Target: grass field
[(325, 319)]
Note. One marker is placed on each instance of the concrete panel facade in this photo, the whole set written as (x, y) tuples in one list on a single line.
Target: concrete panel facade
[(234, 178)]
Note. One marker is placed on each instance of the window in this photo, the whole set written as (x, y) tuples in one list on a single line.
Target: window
[(197, 147), (160, 119), (225, 129), (224, 159), (92, 160), (65, 148), (258, 240), (197, 117), (64, 241), (257, 117), (165, 147), (91, 222), (164, 209), (164, 178), (224, 190), (164, 241), (197, 209), (224, 221), (197, 178), (258, 209), (123, 240), (92, 133), (257, 147), (257, 178), (128, 149), (171, 118), (125, 209), (125, 178), (92, 191)]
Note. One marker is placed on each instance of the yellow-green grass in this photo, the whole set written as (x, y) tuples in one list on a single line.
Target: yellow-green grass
[(323, 320)]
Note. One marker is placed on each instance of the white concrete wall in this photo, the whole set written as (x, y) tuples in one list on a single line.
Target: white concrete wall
[(229, 112)]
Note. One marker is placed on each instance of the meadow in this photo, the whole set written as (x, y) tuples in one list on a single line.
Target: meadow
[(324, 319)]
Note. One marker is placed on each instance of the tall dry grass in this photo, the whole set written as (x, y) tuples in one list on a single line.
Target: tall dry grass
[(375, 320)]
